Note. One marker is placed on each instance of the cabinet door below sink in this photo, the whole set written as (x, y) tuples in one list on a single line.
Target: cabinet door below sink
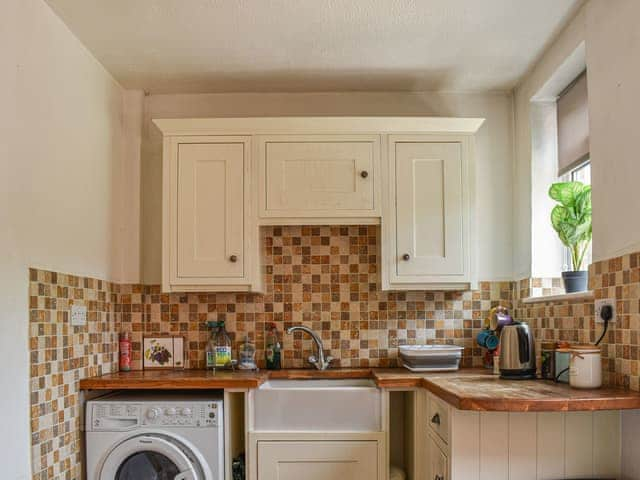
[(317, 460)]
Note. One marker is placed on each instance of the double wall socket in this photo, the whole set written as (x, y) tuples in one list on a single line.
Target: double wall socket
[(604, 302)]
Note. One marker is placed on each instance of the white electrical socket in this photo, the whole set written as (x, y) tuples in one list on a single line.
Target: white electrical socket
[(601, 303), (78, 315)]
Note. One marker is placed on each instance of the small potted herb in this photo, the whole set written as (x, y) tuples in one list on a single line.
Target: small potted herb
[(571, 219)]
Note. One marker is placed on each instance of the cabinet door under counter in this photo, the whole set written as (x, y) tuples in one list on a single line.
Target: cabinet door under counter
[(516, 445), (318, 460)]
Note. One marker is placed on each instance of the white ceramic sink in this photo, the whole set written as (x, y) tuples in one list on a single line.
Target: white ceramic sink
[(348, 405)]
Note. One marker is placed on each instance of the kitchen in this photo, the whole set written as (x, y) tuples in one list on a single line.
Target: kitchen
[(108, 239)]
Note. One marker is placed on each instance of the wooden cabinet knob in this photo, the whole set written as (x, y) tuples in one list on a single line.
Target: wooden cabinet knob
[(406, 257), (233, 259), (364, 174)]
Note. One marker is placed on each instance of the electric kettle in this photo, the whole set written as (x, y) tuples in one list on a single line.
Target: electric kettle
[(517, 352)]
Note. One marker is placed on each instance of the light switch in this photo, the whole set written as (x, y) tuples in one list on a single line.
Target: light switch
[(78, 315)]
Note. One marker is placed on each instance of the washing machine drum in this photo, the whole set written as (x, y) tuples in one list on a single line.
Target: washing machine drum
[(150, 457)]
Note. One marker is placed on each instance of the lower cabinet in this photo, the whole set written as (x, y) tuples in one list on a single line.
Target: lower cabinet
[(470, 445), (317, 460), (437, 461), (317, 456)]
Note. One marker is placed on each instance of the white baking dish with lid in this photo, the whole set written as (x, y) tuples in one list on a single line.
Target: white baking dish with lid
[(422, 358)]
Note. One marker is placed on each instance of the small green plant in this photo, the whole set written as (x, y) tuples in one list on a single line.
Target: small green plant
[(571, 218)]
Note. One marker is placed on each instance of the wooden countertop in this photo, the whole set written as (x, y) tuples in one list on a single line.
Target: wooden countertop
[(474, 390), (174, 380), (466, 389)]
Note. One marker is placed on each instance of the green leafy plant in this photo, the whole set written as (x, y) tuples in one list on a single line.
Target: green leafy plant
[(571, 218)]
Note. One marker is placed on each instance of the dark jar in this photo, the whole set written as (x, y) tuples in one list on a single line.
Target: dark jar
[(548, 368)]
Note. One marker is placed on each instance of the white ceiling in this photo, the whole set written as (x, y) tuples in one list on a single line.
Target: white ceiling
[(170, 46)]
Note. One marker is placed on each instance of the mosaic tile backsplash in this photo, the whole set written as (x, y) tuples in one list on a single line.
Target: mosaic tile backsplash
[(322, 277), (327, 279), (574, 320), (61, 355)]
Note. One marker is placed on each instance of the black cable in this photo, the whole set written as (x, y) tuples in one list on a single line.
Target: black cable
[(560, 374), (604, 332)]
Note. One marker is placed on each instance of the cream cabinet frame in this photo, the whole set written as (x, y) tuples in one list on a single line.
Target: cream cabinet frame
[(518, 445), (380, 132), (347, 169), (316, 448), (243, 273), (461, 275)]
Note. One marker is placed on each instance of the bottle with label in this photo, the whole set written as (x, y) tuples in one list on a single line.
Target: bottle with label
[(210, 352), (246, 355), (277, 356), (272, 348), (219, 347), (125, 352)]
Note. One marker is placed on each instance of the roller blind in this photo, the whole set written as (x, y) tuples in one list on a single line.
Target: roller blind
[(573, 125)]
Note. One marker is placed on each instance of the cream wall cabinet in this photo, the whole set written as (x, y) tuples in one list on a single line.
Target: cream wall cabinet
[(319, 176), (517, 446), (427, 219), (208, 231), (224, 177)]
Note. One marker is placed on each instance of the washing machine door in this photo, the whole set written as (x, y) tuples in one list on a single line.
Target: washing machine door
[(150, 457)]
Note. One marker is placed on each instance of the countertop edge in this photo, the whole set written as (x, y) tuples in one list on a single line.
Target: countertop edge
[(175, 385), (386, 379)]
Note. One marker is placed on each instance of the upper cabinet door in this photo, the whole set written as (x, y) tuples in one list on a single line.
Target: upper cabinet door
[(429, 208), (210, 210), (319, 176), (428, 213), (205, 231)]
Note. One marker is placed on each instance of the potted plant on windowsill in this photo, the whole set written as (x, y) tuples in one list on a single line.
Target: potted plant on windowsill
[(571, 219)]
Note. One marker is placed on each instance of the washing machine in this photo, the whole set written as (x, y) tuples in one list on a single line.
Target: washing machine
[(155, 436)]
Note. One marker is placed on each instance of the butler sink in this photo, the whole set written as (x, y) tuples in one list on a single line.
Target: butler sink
[(325, 405)]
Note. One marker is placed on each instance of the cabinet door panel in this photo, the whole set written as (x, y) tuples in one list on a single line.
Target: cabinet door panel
[(438, 417), (317, 460), (438, 462), (210, 215), (429, 208), (317, 178)]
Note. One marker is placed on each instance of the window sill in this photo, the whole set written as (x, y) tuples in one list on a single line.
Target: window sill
[(588, 295)]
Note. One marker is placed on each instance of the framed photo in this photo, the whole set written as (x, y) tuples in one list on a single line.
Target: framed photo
[(165, 352)]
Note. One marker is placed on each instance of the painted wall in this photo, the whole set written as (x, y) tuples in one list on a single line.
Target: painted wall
[(530, 221), (494, 153), (612, 41), (613, 68), (61, 147)]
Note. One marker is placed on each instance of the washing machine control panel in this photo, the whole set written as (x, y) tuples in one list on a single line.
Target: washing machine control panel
[(115, 416)]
